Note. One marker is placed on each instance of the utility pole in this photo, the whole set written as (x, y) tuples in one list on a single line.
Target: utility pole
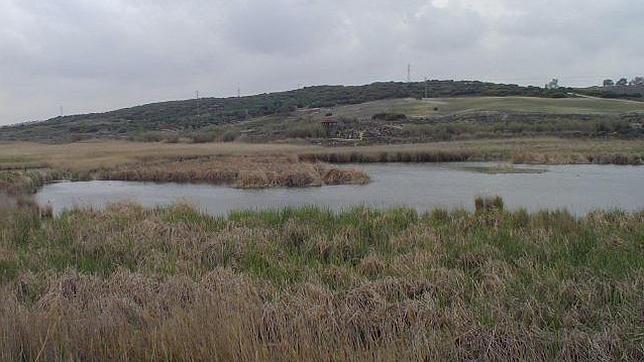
[(426, 85), (238, 92), (408, 73), (197, 94)]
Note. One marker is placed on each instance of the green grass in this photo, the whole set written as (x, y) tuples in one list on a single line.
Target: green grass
[(308, 283), (445, 106)]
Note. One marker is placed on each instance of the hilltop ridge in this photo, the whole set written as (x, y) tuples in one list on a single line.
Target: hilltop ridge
[(192, 115)]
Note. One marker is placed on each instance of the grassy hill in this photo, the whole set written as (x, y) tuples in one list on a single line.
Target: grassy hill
[(370, 114), (445, 106), (184, 117), (409, 120)]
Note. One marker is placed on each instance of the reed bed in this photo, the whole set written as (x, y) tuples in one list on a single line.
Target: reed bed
[(129, 283), (518, 150), (239, 171), (368, 156), (26, 166), (84, 156), (27, 181)]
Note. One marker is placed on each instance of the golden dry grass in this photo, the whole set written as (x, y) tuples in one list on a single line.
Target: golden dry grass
[(81, 156), (105, 154)]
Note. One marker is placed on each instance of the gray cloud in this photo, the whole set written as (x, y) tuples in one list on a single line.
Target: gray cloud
[(99, 55)]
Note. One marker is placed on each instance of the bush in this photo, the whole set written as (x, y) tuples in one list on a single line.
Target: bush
[(307, 130), (229, 136), (203, 137), (488, 203), (389, 117)]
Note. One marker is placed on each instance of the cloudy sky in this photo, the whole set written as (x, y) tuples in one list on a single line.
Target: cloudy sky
[(97, 55)]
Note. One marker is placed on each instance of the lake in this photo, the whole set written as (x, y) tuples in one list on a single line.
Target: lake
[(577, 188)]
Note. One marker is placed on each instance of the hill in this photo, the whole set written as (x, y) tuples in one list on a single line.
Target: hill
[(632, 92), (191, 116), (410, 120)]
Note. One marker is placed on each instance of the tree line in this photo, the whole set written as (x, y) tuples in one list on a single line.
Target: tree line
[(637, 81)]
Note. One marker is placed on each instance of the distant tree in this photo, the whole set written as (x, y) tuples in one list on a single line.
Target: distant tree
[(637, 81), (622, 82), (553, 84), (608, 83)]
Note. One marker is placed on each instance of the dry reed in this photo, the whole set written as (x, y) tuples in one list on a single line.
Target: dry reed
[(243, 172)]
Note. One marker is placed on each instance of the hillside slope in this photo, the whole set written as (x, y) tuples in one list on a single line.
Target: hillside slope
[(409, 120), (195, 114)]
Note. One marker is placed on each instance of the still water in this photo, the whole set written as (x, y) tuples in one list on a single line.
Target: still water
[(577, 188)]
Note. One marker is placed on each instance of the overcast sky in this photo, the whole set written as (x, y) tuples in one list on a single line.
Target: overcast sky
[(90, 56)]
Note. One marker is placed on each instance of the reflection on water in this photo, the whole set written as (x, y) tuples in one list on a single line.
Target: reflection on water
[(578, 188)]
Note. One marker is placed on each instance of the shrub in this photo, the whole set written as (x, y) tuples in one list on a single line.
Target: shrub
[(306, 130), (229, 136), (389, 117), (488, 203), (203, 137)]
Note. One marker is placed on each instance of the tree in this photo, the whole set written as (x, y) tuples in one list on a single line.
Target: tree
[(608, 83), (622, 82), (637, 81), (553, 84)]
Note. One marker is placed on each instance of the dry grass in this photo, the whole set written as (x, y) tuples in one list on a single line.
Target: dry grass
[(107, 154), (28, 165), (172, 284), (239, 165), (82, 156), (239, 171), (528, 150)]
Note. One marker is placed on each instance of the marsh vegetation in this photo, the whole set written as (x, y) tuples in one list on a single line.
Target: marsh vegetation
[(132, 283), (27, 166), (309, 284)]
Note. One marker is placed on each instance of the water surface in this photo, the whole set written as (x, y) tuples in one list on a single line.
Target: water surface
[(577, 188)]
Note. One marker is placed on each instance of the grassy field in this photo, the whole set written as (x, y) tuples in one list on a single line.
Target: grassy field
[(129, 283), (444, 106), (104, 154)]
